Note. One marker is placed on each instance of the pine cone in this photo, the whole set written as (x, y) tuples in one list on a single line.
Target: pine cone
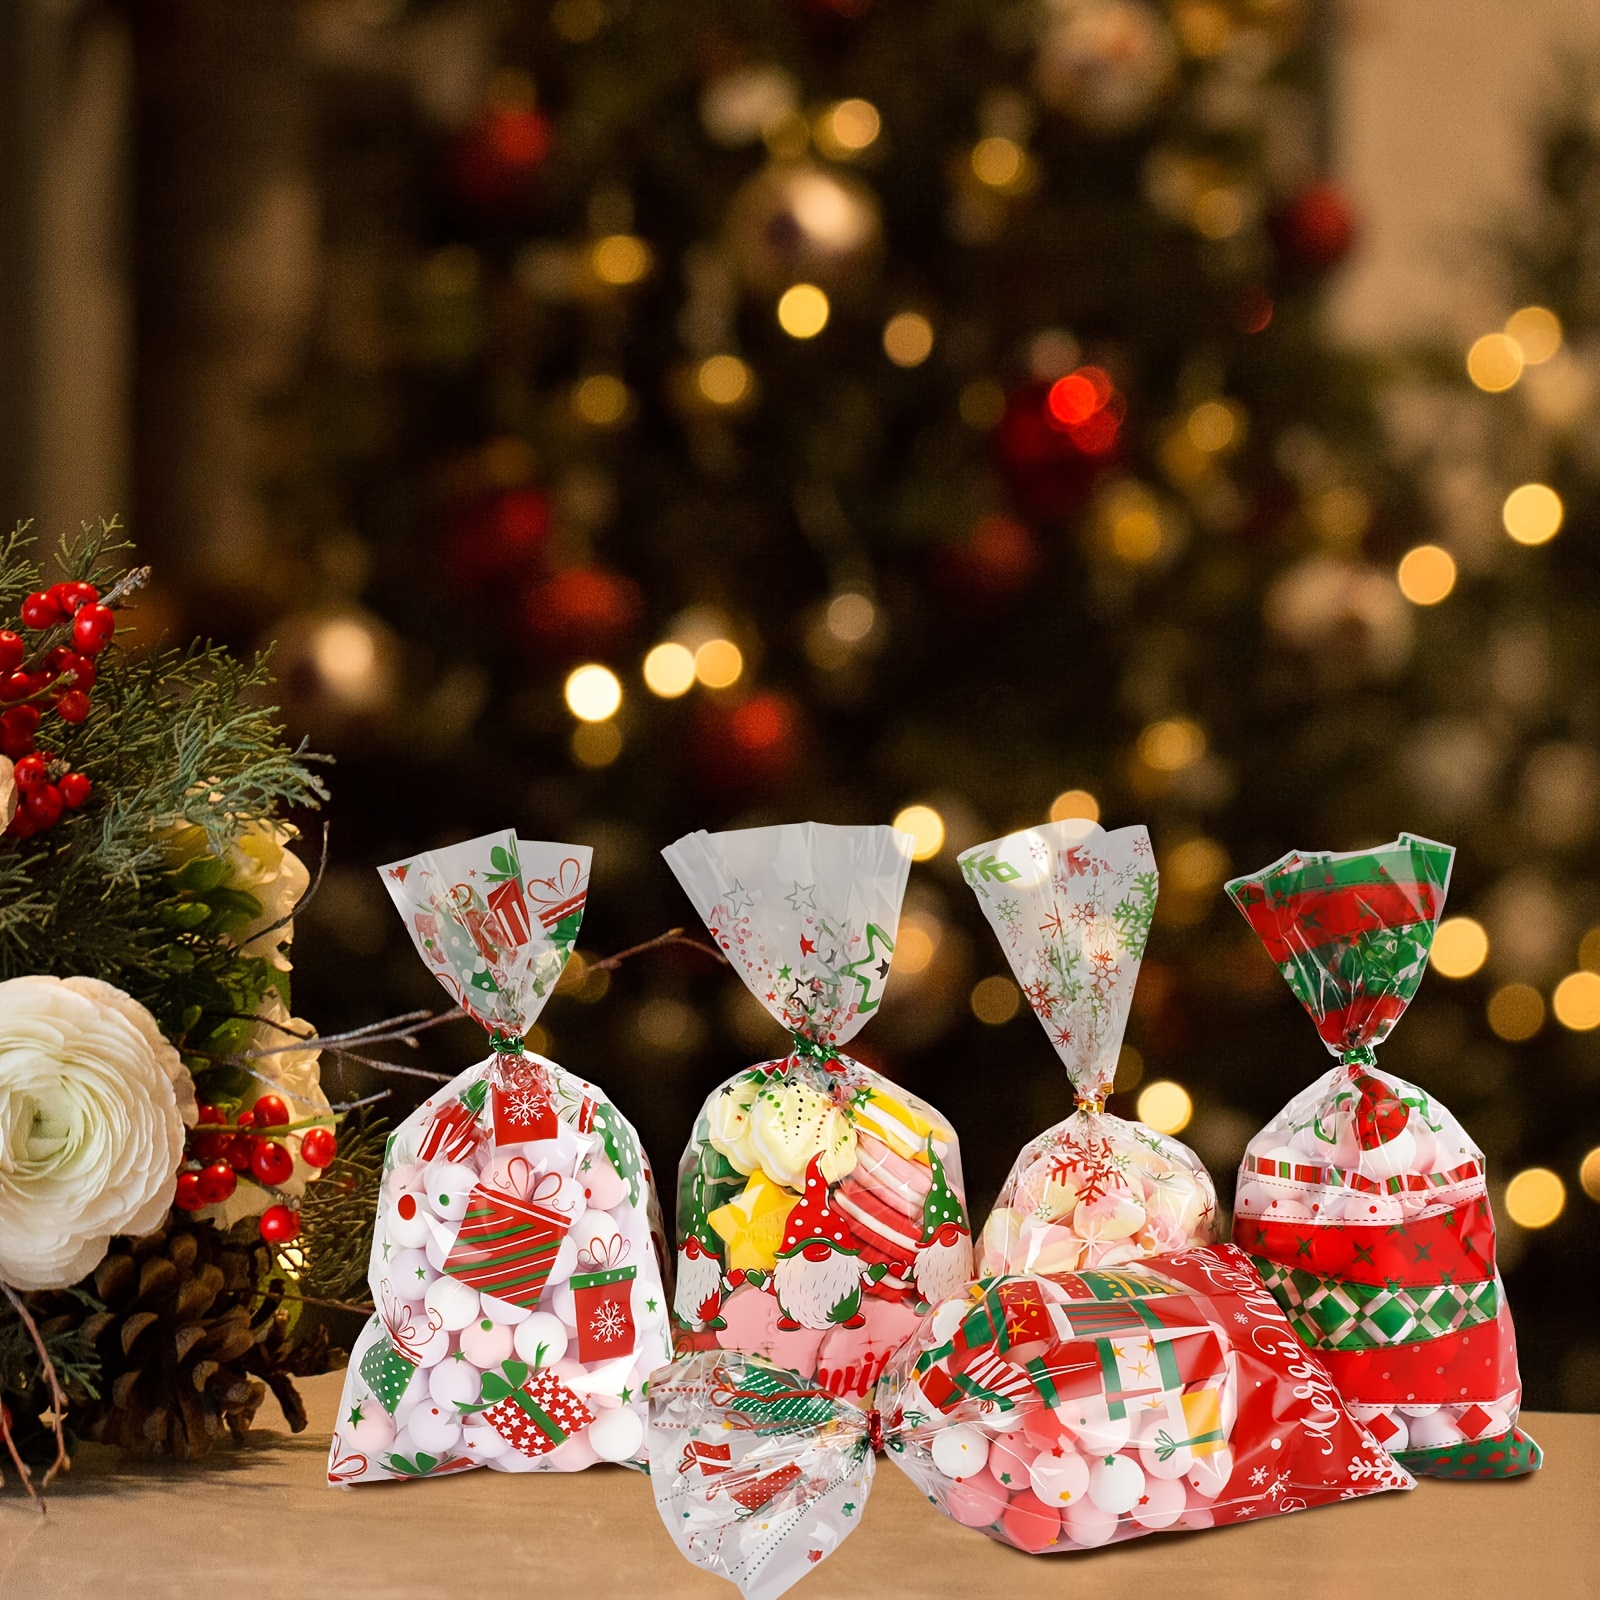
[(191, 1338)]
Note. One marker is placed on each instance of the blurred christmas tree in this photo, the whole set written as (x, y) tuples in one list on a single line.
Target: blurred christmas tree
[(723, 414)]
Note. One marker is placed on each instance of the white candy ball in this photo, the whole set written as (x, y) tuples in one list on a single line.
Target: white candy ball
[(512, 1459), (1395, 1432), (1092, 1424), (595, 1237), (479, 1442), (446, 1185), (1435, 1431), (1162, 1505), (959, 1452), (540, 1340), (454, 1382), (560, 1301), (410, 1273), (1424, 1410), (1341, 1150), (616, 1435), (1087, 1524), (487, 1344), (1177, 1461), (1209, 1475), (1116, 1484), (429, 1345), (372, 1435), (441, 1237), (573, 1454), (564, 1265), (433, 1429), (1389, 1160), (404, 1223), (499, 1310), (1059, 1479), (455, 1301)]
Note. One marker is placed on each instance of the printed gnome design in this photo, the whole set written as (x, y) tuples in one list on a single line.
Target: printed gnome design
[(516, 1263), (1072, 904), (1052, 1414), (1363, 1202), (820, 1208)]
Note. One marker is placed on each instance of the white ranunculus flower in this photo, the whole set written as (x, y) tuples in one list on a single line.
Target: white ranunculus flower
[(260, 863), (93, 1103), (8, 791)]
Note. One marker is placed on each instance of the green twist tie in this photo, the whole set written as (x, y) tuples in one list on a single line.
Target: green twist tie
[(1360, 1055), (505, 1044), (805, 1048)]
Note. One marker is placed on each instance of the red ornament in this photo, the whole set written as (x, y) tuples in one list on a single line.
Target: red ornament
[(93, 627), (73, 706), (582, 610), (187, 1196), (270, 1111), (217, 1183), (12, 650), (40, 611), (500, 539), (996, 561), (278, 1224), (44, 805), (749, 746), (75, 790), (1316, 228), (318, 1147), (271, 1164)]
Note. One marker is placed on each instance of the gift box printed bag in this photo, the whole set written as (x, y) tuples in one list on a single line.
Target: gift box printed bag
[(820, 1208), (516, 1261), (1072, 906), (1363, 1201), (1053, 1414)]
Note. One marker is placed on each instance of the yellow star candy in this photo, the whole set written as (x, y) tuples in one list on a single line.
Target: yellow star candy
[(752, 1223)]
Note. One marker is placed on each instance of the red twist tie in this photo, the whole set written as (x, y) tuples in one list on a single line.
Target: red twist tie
[(875, 1429)]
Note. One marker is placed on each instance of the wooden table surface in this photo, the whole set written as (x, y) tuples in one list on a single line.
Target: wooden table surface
[(258, 1522)]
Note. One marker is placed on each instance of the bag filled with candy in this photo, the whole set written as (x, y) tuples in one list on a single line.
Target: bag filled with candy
[(1363, 1201), (516, 1261), (820, 1208), (1072, 906), (1053, 1414)]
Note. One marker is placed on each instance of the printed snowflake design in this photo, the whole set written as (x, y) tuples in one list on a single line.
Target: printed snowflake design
[(1010, 912), (1276, 1487), (1082, 912), (1241, 1318), (1380, 1474), (608, 1323), (1041, 997), (1063, 1037), (1258, 1477), (1104, 971), (525, 1106)]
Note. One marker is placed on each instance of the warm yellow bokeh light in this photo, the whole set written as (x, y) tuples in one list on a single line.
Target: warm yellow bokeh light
[(669, 670), (1426, 575), (601, 399), (593, 693), (1196, 866), (915, 942), (344, 650), (1219, 213), (1495, 362), (724, 380), (1211, 426), (1460, 947), (803, 311), (620, 259), (718, 663), (994, 1000), (1532, 513), (1537, 333), (853, 125), (926, 828), (1172, 744), (1535, 1197), (1074, 805), (1516, 1012), (1165, 1106), (997, 161), (1589, 951), (908, 339), (850, 617), (1130, 1070), (596, 744), (1576, 1002), (1589, 1173), (982, 404)]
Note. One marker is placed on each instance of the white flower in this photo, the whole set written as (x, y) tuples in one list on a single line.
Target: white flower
[(8, 791), (93, 1103), (260, 863)]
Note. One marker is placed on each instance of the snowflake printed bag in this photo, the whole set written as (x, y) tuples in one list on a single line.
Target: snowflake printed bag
[(1072, 905), (1364, 1202), (820, 1208), (517, 1258), (1053, 1414)]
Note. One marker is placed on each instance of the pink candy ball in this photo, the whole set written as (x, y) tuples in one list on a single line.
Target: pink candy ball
[(486, 1344), (1163, 1503), (1031, 1525), (1087, 1524), (1008, 1465), (975, 1502)]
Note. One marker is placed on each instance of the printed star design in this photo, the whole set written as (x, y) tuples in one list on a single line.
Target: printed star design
[(785, 972), (385, 1249), (1005, 1478), (883, 969), (627, 1395), (458, 1355), (649, 1305), (738, 898), (803, 898), (356, 1419), (807, 947), (421, 1272), (849, 1508)]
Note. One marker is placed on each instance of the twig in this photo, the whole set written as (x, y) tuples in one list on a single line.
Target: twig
[(356, 1105), (661, 940), (58, 1404), (364, 1307), (306, 898)]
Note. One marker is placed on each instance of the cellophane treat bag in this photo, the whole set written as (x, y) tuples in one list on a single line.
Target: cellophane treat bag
[(820, 1207), (1072, 906), (1053, 1414), (1363, 1201), (517, 1258)]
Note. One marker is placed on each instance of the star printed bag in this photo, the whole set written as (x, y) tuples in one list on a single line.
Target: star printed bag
[(1072, 906), (1055, 1415), (516, 1261), (1363, 1201), (820, 1208)]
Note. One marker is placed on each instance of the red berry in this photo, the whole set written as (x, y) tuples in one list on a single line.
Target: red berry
[(217, 1182), (83, 670), (242, 1151), (40, 611), (74, 596), (318, 1147), (93, 627), (16, 686), (188, 1196), (272, 1164), (12, 650), (73, 705), (22, 825), (44, 805), (24, 719), (32, 771), (75, 790), (206, 1112), (271, 1112), (57, 660), (278, 1224), (245, 1119), (208, 1146)]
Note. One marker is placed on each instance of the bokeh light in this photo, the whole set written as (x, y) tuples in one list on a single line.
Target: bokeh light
[(1535, 1197), (926, 828), (1212, 426), (850, 126), (1516, 1012), (995, 1000), (908, 339), (1589, 1174), (1495, 362), (724, 380), (1537, 333), (1532, 513), (997, 162), (1074, 804), (344, 652), (620, 259), (850, 617), (593, 692), (1460, 947), (803, 311), (601, 399), (1426, 575), (1576, 1002), (669, 670), (718, 663), (596, 744), (1172, 744), (1165, 1106), (915, 944)]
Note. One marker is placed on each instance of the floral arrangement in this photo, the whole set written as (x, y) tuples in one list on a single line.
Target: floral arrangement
[(173, 1191)]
